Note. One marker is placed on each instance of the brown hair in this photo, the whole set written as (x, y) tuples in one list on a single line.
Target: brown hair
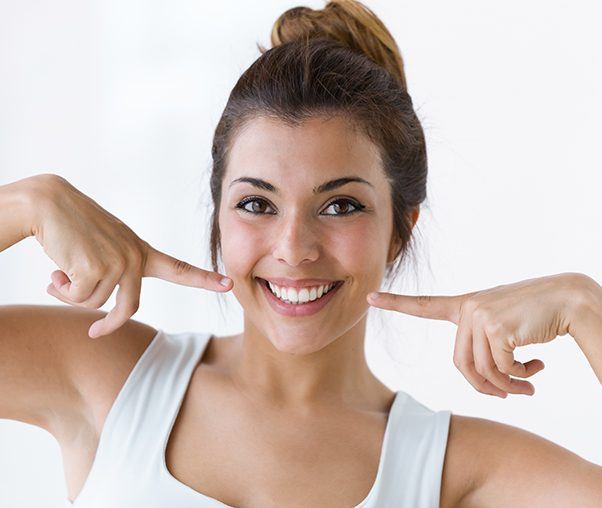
[(337, 61)]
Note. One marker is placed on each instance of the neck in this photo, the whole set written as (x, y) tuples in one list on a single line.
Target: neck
[(313, 371)]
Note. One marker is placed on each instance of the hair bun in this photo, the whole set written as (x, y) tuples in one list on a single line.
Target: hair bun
[(350, 23)]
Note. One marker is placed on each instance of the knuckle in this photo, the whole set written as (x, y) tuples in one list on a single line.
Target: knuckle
[(494, 327), (469, 305), (505, 369), (133, 254), (481, 369), (181, 267), (116, 259), (119, 267), (132, 307), (480, 314), (89, 267), (511, 340), (78, 298), (98, 271), (489, 370)]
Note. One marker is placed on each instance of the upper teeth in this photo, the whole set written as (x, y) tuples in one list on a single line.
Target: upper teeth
[(302, 295)]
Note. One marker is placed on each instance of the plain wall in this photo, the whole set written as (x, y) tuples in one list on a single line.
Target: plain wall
[(121, 99)]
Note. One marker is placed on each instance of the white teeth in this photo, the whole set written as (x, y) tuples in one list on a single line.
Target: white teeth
[(291, 294), (303, 295)]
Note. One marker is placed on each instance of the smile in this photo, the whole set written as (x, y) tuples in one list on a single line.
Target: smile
[(297, 302)]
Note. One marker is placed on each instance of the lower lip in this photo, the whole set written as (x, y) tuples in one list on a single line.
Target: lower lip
[(297, 310)]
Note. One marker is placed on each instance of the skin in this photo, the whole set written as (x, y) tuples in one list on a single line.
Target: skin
[(316, 363), (316, 359), (319, 359)]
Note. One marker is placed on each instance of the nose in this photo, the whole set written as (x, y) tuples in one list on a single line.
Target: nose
[(296, 242)]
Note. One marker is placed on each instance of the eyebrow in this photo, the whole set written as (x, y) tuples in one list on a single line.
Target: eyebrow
[(325, 187)]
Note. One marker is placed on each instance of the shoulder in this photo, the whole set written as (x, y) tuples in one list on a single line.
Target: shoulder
[(461, 468), (102, 374), (483, 457)]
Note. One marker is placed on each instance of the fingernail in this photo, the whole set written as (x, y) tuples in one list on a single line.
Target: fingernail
[(225, 281), (373, 296)]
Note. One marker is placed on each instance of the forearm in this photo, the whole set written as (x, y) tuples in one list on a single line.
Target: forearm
[(18, 203), (586, 324)]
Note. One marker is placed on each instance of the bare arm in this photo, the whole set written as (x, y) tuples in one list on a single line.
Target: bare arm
[(51, 372), (17, 205), (52, 375), (490, 464), (586, 325)]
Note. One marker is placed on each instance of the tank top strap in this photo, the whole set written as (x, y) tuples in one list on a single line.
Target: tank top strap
[(148, 402), (413, 455)]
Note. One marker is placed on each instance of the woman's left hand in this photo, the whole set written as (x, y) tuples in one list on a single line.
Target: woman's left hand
[(493, 322)]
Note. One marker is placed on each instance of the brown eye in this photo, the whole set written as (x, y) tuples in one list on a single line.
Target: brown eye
[(257, 206), (341, 207)]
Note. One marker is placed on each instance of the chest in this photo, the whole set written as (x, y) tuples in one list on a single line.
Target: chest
[(255, 458), (247, 456)]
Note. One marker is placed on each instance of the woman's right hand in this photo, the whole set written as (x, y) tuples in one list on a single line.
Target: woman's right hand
[(95, 252)]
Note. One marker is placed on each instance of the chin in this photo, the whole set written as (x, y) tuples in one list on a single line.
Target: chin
[(292, 344)]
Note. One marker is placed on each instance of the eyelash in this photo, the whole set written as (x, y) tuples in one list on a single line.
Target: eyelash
[(359, 207)]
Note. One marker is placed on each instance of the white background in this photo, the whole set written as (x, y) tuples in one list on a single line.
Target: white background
[(121, 99)]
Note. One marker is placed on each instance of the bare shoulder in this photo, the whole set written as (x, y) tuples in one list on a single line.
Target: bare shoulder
[(53, 375), (95, 370), (488, 463), (115, 356)]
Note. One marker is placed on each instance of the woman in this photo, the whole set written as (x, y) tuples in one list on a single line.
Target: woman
[(319, 171)]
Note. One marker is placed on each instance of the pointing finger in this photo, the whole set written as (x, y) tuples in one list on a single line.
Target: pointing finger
[(166, 267), (432, 307)]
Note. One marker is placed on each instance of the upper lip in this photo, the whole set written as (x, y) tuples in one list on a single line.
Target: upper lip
[(298, 283)]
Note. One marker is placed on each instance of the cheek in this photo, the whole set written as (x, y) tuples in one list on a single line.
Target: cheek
[(241, 245), (357, 249), (360, 250)]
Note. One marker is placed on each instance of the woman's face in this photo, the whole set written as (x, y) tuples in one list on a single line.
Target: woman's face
[(286, 227)]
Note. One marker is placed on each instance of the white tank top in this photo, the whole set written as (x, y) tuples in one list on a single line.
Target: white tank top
[(129, 469)]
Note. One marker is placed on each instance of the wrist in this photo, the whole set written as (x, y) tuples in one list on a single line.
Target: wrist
[(585, 314), (36, 192)]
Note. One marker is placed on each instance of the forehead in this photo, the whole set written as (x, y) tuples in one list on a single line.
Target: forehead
[(317, 148)]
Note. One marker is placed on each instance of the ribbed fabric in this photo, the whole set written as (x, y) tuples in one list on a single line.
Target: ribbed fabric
[(129, 469)]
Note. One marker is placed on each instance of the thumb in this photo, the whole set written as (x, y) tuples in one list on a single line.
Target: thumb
[(446, 308), (166, 267)]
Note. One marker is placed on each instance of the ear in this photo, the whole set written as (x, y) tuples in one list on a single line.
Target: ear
[(395, 244)]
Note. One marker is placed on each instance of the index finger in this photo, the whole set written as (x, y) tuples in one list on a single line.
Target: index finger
[(166, 267), (445, 308)]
